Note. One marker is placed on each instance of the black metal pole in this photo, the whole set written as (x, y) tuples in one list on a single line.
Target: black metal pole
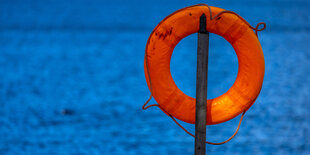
[(201, 87)]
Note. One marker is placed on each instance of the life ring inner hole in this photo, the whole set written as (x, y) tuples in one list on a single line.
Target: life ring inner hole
[(222, 62)]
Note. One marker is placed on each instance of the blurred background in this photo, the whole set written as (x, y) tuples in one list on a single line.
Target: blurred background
[(72, 79)]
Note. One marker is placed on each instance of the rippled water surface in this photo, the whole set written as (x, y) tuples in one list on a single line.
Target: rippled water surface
[(72, 79)]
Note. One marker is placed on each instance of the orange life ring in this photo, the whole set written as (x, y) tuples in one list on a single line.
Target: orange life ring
[(236, 31)]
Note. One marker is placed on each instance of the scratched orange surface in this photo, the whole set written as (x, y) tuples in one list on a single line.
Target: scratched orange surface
[(184, 22)]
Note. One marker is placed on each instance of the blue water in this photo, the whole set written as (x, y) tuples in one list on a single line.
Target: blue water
[(72, 80)]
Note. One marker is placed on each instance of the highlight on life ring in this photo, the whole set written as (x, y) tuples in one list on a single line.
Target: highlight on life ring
[(236, 31)]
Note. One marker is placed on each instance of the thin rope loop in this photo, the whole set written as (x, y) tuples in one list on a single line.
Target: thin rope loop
[(261, 29), (212, 143), (176, 122)]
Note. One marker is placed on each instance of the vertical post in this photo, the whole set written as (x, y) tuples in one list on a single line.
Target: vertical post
[(201, 87)]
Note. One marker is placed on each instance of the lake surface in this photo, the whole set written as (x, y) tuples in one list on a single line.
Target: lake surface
[(72, 79)]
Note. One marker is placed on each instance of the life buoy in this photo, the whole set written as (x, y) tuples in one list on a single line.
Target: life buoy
[(236, 31)]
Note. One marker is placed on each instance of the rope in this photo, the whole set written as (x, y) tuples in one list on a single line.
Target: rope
[(176, 122), (220, 143), (144, 107)]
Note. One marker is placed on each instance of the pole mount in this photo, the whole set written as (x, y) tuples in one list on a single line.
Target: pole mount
[(201, 87), (203, 24)]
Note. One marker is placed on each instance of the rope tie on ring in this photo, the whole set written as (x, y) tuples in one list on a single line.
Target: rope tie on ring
[(256, 29), (144, 107)]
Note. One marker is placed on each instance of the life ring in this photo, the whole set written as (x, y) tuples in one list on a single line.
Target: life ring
[(236, 31)]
